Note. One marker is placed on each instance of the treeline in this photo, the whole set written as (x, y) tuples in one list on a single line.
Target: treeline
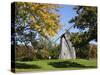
[(87, 52), (27, 53)]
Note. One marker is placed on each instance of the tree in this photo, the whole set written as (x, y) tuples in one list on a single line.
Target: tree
[(33, 20), (54, 51), (24, 53), (78, 40), (41, 17), (93, 51), (27, 53), (86, 21)]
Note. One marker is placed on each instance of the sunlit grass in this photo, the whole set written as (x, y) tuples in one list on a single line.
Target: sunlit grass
[(55, 64)]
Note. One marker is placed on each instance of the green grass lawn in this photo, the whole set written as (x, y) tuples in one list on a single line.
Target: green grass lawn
[(54, 65)]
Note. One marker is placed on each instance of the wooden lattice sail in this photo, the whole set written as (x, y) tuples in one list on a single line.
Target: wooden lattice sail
[(67, 50)]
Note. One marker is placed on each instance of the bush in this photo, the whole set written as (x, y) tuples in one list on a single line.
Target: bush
[(87, 52), (93, 51), (54, 52), (42, 54), (24, 53)]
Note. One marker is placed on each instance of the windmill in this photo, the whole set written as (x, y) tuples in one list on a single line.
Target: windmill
[(67, 51)]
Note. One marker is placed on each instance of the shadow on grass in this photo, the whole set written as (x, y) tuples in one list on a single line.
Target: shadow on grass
[(26, 66), (69, 64)]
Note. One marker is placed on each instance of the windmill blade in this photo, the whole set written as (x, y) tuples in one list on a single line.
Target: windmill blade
[(64, 33)]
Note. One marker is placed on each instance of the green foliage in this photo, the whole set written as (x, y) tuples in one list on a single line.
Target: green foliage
[(43, 54), (24, 53), (83, 52), (87, 52), (54, 52), (29, 53), (78, 40), (86, 21), (43, 51)]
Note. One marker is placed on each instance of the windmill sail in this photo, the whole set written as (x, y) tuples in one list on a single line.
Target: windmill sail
[(67, 50)]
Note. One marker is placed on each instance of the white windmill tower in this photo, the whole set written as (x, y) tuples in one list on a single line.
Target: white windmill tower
[(67, 51)]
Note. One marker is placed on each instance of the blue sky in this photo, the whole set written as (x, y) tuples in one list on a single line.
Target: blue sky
[(66, 13)]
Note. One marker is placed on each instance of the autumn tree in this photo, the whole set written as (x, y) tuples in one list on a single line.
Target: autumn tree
[(32, 23), (33, 20), (93, 51), (25, 54)]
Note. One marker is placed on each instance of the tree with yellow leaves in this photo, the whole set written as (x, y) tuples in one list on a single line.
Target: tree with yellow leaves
[(35, 19), (42, 18)]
